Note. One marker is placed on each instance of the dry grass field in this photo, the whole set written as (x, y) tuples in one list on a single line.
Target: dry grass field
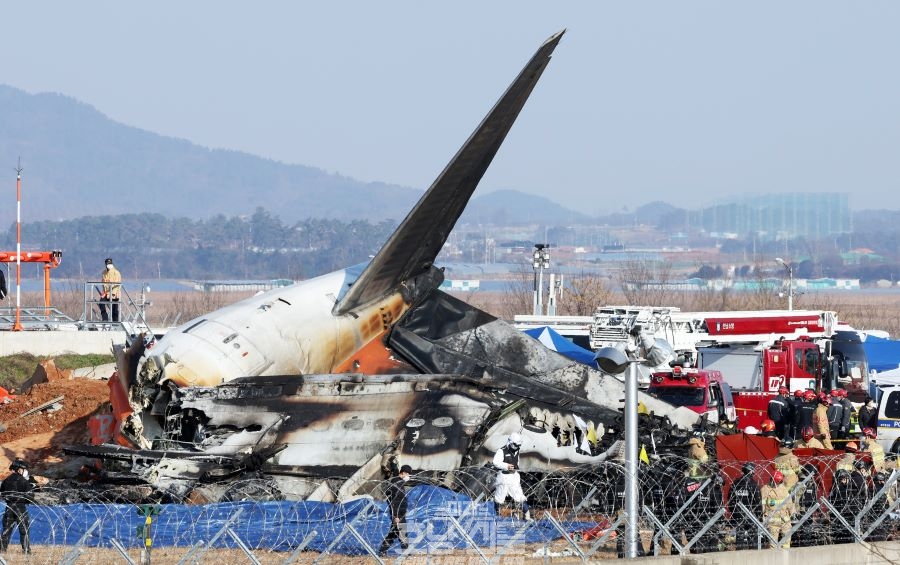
[(862, 310)]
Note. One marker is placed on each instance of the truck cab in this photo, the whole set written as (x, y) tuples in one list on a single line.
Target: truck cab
[(703, 391)]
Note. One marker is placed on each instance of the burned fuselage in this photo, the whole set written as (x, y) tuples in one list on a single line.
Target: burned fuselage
[(322, 377)]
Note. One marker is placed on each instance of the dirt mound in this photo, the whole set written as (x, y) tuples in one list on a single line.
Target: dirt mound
[(50, 427)]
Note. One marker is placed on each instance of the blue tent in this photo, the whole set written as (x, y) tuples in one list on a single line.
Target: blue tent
[(883, 353), (561, 345)]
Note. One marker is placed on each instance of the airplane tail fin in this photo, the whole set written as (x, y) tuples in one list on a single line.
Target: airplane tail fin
[(413, 247)]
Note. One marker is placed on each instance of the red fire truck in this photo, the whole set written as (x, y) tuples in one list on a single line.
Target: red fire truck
[(703, 391)]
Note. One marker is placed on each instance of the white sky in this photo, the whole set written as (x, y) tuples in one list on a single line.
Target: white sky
[(686, 102)]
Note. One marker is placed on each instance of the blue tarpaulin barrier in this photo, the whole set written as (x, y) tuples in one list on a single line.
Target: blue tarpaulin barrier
[(282, 526)]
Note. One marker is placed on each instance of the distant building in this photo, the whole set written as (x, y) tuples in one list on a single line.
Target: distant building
[(794, 214), (240, 285)]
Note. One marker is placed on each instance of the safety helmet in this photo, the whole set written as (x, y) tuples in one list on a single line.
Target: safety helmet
[(842, 474), (748, 468), (860, 464), (808, 433), (515, 438), (808, 469), (108, 261), (783, 390), (788, 443), (777, 477), (751, 430), (767, 425), (869, 432), (798, 393), (809, 395), (835, 393), (843, 392), (18, 464), (851, 446), (824, 399)]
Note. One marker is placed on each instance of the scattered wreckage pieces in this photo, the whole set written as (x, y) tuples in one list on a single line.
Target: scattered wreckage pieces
[(50, 405)]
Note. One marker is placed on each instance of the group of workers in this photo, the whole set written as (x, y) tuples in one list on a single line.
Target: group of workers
[(828, 414)]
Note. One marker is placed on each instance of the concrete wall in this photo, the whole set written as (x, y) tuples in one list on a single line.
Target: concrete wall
[(46, 343)]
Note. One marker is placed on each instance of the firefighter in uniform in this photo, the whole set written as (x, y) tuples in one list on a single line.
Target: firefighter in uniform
[(508, 482), (809, 439), (788, 464), (780, 411), (806, 410), (806, 494), (820, 421), (846, 462), (777, 509), (744, 490), (876, 452), (697, 458)]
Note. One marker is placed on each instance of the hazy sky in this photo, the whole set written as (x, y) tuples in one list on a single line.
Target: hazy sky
[(687, 102)]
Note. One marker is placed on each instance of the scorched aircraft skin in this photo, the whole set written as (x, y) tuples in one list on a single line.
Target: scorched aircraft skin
[(323, 377)]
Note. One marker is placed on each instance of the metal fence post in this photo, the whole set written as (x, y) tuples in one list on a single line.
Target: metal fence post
[(212, 541), (76, 551), (299, 549), (118, 545), (566, 536)]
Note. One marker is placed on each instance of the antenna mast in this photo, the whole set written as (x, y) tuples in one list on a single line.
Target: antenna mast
[(18, 325)]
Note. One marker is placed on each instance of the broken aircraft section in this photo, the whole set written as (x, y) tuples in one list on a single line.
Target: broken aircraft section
[(331, 376)]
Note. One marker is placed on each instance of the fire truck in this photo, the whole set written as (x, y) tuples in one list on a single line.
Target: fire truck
[(704, 391), (757, 352)]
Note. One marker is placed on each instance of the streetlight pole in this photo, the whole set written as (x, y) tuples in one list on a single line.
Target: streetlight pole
[(614, 361), (540, 260), (790, 271)]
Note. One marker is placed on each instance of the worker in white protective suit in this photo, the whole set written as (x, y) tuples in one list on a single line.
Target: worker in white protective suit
[(508, 482)]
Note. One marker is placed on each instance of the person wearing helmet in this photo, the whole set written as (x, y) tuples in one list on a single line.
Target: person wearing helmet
[(820, 421), (778, 509), (806, 409), (697, 458), (796, 403), (109, 295), (508, 482), (847, 413), (788, 464), (780, 412), (767, 428), (835, 412), (745, 490), (16, 490), (846, 462), (809, 439), (806, 496), (842, 499), (873, 448)]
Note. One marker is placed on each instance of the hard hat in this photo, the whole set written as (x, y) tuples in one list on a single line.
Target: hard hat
[(823, 398), (515, 438), (108, 261), (851, 446), (777, 476), (835, 393), (748, 468), (869, 432), (18, 464), (860, 464), (788, 443), (809, 395), (751, 430), (842, 474), (808, 469), (843, 392), (767, 425), (807, 433), (783, 390)]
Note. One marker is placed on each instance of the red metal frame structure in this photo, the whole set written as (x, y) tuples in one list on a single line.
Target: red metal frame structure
[(50, 259)]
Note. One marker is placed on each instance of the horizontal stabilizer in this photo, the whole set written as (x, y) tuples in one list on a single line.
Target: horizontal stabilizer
[(413, 247)]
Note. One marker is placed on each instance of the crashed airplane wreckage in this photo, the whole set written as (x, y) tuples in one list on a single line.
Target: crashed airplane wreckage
[(325, 377)]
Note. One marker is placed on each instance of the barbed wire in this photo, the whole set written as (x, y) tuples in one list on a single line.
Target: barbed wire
[(685, 508)]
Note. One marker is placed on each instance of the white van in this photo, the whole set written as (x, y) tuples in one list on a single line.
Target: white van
[(889, 419)]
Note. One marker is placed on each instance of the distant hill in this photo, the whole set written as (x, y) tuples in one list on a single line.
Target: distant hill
[(78, 162), (511, 207)]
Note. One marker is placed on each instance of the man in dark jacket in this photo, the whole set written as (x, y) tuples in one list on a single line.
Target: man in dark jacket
[(835, 412), (847, 413), (779, 410), (868, 414), (16, 490), (396, 499)]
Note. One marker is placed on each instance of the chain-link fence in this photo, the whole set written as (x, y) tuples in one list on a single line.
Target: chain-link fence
[(685, 508)]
